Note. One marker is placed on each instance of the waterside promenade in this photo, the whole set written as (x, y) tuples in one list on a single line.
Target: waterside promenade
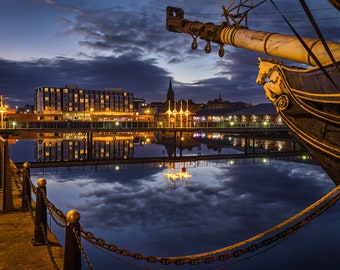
[(16, 234)]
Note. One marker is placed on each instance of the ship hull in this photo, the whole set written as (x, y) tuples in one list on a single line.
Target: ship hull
[(308, 101)]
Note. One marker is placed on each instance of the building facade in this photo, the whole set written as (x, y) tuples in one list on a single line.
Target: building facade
[(258, 116), (77, 103)]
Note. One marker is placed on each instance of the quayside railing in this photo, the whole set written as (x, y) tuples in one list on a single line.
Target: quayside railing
[(74, 233)]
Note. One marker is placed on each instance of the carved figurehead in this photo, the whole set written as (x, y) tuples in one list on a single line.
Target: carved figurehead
[(270, 77)]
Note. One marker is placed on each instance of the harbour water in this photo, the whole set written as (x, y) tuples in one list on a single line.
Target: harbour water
[(157, 210)]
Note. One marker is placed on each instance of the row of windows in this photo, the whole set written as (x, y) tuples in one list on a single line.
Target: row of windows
[(81, 100), (113, 91), (78, 150)]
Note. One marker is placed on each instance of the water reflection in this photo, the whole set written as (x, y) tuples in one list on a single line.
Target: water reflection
[(177, 171), (225, 203), (144, 207), (79, 146), (83, 146), (249, 143)]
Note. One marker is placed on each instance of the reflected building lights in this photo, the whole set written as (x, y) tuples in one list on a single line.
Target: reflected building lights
[(83, 146), (173, 174)]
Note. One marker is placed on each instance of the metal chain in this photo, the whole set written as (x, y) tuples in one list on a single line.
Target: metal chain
[(49, 248), (86, 258), (33, 187), (222, 257), (54, 211), (193, 259), (30, 208), (56, 221)]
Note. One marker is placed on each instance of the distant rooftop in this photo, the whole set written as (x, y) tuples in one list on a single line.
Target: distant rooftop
[(260, 109)]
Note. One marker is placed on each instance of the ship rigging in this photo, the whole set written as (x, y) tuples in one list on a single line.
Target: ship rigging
[(307, 98)]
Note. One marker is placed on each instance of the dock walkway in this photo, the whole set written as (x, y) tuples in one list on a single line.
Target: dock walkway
[(16, 234)]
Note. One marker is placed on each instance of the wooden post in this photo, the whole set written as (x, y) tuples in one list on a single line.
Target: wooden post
[(5, 181), (26, 187), (72, 254), (40, 224)]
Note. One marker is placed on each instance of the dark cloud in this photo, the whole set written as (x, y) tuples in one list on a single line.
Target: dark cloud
[(127, 45), (142, 77)]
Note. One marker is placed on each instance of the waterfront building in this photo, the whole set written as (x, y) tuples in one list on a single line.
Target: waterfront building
[(261, 115), (115, 108), (177, 118), (80, 104)]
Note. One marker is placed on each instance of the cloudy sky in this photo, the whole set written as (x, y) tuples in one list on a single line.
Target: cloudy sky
[(109, 43)]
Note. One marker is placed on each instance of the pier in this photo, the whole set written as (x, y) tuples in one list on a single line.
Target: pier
[(17, 232)]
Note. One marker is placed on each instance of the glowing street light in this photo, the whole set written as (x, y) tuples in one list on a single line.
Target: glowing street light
[(2, 111)]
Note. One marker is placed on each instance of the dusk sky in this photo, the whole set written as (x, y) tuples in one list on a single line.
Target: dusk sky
[(108, 43)]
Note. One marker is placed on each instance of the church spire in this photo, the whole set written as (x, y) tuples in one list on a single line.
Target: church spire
[(170, 95), (220, 98)]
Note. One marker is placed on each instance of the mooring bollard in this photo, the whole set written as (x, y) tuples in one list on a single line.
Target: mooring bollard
[(26, 187), (40, 224), (72, 254)]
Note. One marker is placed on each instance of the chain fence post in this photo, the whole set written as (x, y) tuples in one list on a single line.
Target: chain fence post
[(40, 214), (72, 252), (26, 187), (5, 180)]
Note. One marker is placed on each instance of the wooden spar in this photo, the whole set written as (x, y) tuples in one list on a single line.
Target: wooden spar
[(277, 45)]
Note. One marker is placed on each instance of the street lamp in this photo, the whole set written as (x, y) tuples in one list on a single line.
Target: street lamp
[(2, 111)]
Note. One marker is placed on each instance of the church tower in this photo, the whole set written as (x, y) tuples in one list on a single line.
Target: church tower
[(170, 97)]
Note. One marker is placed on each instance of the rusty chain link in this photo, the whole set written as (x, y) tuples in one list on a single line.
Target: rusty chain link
[(207, 258), (49, 248), (30, 208), (89, 236), (33, 187), (82, 250), (54, 211)]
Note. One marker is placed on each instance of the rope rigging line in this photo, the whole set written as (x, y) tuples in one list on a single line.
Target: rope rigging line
[(303, 43), (323, 203), (319, 33)]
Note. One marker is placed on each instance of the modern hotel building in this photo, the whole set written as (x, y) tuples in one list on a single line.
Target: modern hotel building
[(79, 104)]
